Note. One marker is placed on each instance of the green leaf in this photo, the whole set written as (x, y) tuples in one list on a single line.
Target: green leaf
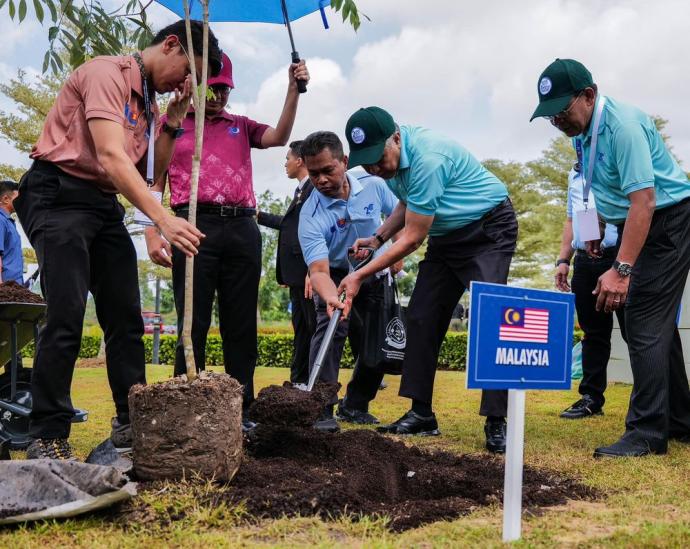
[(46, 60), (2, 3), (52, 33), (39, 10), (53, 11), (22, 10), (13, 9)]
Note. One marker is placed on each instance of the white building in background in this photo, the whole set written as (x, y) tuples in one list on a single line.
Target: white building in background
[(619, 363)]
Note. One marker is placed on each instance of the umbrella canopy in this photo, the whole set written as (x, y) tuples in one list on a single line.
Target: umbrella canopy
[(249, 11)]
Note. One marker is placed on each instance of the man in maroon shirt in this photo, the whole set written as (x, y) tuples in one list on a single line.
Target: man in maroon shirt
[(229, 259)]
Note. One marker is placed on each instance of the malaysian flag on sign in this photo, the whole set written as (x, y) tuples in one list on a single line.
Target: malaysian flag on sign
[(524, 324)]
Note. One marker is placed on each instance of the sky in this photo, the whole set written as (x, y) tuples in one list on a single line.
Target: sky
[(467, 69)]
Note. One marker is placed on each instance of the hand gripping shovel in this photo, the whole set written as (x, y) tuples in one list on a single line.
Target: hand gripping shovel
[(330, 331)]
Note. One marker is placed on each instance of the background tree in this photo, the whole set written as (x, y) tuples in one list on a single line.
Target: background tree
[(85, 28)]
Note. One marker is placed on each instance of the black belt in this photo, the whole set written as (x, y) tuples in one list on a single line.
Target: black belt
[(217, 209)]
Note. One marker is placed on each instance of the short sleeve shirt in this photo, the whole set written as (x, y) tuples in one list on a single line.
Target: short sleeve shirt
[(225, 175), (631, 155), (329, 226), (575, 203), (108, 87), (436, 176), (10, 249)]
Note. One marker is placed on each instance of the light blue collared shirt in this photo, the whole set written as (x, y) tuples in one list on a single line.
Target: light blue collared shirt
[(329, 226), (436, 176), (631, 155), (575, 204)]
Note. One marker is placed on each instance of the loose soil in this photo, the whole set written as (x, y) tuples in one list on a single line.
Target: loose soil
[(290, 407), (94, 362), (12, 292), (181, 429), (359, 472)]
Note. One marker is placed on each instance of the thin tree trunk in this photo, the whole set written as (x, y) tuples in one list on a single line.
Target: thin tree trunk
[(199, 97)]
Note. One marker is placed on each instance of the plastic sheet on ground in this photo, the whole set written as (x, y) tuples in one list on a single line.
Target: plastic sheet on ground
[(44, 488)]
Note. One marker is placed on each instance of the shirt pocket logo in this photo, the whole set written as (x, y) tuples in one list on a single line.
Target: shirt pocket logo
[(131, 117), (234, 130)]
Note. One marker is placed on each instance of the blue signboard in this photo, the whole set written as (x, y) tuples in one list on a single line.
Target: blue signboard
[(519, 338)]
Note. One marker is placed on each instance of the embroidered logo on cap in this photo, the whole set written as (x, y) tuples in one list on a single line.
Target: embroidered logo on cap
[(545, 85), (358, 135)]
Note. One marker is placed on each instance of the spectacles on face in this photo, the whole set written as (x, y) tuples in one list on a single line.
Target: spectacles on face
[(565, 112), (220, 91)]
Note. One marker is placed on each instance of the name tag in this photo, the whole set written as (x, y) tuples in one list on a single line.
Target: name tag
[(588, 225)]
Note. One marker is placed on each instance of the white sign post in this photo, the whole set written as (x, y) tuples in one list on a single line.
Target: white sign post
[(512, 485)]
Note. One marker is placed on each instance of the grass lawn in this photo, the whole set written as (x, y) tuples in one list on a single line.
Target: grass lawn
[(647, 502)]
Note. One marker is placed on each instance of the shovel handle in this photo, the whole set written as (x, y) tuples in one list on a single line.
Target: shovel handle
[(301, 84)]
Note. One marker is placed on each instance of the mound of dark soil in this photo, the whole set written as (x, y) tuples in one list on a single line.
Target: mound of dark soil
[(12, 292), (305, 472), (287, 406)]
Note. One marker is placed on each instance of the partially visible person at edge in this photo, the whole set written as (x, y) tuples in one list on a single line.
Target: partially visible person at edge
[(93, 146), (11, 258), (640, 188), (447, 195), (291, 270), (596, 325), (229, 259), (342, 208)]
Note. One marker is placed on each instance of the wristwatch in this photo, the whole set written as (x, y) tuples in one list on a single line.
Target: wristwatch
[(561, 261), (176, 133), (623, 269)]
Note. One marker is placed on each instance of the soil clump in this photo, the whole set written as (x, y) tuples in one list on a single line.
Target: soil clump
[(13, 292), (288, 406), (181, 429), (306, 472)]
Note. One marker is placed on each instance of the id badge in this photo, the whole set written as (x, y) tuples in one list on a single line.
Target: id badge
[(588, 225)]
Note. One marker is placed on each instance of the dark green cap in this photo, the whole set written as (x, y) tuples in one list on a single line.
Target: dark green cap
[(367, 131), (559, 82)]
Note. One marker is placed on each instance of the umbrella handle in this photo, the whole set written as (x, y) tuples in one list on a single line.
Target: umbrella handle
[(301, 84)]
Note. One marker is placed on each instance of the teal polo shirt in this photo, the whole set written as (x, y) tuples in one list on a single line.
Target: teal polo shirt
[(631, 155), (329, 226), (436, 176)]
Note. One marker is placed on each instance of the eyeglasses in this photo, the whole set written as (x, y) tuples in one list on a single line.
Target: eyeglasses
[(220, 91), (565, 112)]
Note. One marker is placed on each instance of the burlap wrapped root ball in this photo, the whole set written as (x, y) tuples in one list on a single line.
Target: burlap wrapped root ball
[(181, 429)]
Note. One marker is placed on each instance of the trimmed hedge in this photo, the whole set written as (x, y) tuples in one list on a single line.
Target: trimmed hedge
[(275, 350)]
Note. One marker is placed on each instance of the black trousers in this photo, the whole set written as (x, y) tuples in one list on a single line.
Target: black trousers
[(365, 380), (660, 400), (480, 251), (303, 325), (82, 246), (228, 262), (596, 325)]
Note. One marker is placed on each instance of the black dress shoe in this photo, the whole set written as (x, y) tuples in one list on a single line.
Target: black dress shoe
[(412, 424), (495, 431), (584, 407), (351, 415), (680, 437), (625, 448), (327, 423)]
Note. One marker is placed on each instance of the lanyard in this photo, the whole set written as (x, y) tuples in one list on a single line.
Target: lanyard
[(587, 183), (150, 123)]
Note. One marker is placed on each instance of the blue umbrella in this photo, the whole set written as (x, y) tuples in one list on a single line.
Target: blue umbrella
[(255, 11)]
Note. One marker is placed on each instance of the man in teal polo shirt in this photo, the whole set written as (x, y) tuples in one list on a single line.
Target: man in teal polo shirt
[(639, 187), (341, 208), (447, 195)]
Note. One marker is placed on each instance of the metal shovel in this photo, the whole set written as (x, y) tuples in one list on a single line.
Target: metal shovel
[(330, 331)]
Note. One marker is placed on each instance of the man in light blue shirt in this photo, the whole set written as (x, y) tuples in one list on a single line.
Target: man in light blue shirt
[(11, 257), (640, 187), (596, 325), (446, 194), (341, 209)]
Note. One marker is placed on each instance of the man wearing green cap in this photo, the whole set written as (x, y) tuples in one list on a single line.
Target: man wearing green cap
[(446, 194), (638, 186)]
